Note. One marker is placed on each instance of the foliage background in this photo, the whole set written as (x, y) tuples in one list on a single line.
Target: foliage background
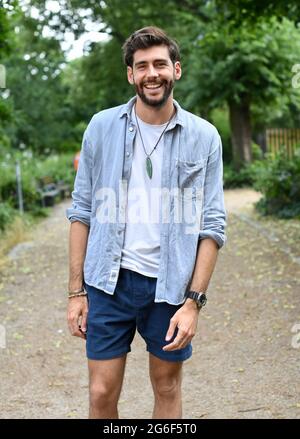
[(237, 59)]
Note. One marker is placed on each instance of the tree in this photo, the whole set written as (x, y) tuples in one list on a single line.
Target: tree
[(230, 56), (41, 120), (254, 9), (242, 65), (96, 80), (6, 46)]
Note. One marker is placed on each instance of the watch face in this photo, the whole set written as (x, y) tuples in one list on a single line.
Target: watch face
[(203, 299)]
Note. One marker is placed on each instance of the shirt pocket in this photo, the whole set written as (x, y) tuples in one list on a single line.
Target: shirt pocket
[(187, 200), (190, 174)]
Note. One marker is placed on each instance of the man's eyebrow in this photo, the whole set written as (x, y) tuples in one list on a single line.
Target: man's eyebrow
[(155, 61)]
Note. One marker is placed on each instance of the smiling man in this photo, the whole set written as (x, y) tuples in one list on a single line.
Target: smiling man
[(138, 260), (155, 89)]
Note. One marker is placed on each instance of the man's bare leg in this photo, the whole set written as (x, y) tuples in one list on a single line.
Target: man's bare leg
[(166, 379), (105, 385)]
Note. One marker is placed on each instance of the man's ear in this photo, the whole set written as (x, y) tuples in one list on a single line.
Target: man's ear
[(177, 68), (130, 75)]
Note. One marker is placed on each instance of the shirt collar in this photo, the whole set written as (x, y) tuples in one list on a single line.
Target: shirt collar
[(179, 119)]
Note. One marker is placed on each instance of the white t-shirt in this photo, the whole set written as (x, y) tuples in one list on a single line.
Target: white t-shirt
[(141, 250)]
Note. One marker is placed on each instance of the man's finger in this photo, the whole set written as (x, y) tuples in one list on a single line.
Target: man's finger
[(179, 342), (82, 333), (84, 322), (79, 334), (171, 330), (75, 327), (176, 344)]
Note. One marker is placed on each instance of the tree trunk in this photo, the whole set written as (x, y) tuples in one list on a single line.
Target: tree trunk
[(239, 115)]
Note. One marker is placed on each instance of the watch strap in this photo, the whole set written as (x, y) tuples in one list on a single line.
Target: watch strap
[(196, 296)]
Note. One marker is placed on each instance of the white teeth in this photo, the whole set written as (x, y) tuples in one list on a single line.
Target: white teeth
[(152, 86)]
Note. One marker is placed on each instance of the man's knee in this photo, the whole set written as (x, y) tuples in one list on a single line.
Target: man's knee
[(167, 386), (103, 394), (105, 380), (166, 377)]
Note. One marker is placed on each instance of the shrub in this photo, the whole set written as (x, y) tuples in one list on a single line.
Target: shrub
[(241, 178), (8, 185), (246, 175), (7, 214), (279, 181), (58, 168)]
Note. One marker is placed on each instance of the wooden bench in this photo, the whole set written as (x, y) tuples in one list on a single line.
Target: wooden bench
[(48, 191), (64, 189)]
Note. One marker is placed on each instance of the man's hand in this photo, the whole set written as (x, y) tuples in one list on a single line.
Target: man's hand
[(77, 316), (186, 319)]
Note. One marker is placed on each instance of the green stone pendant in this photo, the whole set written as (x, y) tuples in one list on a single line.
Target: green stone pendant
[(149, 167)]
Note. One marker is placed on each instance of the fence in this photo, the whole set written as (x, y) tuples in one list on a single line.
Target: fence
[(287, 139)]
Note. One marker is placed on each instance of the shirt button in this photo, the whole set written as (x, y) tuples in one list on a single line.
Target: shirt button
[(127, 153), (130, 129)]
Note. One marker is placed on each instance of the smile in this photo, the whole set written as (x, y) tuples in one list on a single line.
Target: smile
[(152, 86)]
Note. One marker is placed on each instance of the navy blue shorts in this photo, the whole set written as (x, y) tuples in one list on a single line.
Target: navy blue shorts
[(113, 319)]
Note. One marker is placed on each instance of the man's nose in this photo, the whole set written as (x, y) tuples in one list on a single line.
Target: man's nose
[(152, 71)]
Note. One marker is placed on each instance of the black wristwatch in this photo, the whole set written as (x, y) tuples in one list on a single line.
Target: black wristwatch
[(199, 297)]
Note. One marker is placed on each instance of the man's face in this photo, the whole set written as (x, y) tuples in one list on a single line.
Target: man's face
[(153, 75)]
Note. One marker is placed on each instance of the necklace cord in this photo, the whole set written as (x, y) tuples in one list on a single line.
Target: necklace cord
[(148, 155)]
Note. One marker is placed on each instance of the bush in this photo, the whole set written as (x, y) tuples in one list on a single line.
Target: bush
[(59, 168), (7, 214), (279, 181), (241, 178), (8, 185), (257, 153), (246, 175)]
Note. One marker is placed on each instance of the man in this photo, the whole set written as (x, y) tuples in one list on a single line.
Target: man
[(147, 220)]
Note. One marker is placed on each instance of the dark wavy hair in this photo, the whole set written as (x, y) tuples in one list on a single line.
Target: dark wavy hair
[(148, 37)]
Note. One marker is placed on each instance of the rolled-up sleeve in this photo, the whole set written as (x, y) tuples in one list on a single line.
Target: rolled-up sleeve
[(214, 213), (82, 193)]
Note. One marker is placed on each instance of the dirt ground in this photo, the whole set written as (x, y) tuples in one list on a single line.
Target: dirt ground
[(246, 357)]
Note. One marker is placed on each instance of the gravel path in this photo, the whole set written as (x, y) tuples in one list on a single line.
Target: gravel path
[(246, 358)]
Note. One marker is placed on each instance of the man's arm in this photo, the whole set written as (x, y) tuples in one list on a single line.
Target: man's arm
[(186, 318), (77, 306), (79, 233), (212, 237), (212, 234), (79, 215), (204, 267)]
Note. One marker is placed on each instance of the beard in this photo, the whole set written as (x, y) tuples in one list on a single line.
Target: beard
[(157, 103)]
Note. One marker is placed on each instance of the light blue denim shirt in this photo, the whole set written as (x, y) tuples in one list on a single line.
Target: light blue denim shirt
[(192, 182)]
